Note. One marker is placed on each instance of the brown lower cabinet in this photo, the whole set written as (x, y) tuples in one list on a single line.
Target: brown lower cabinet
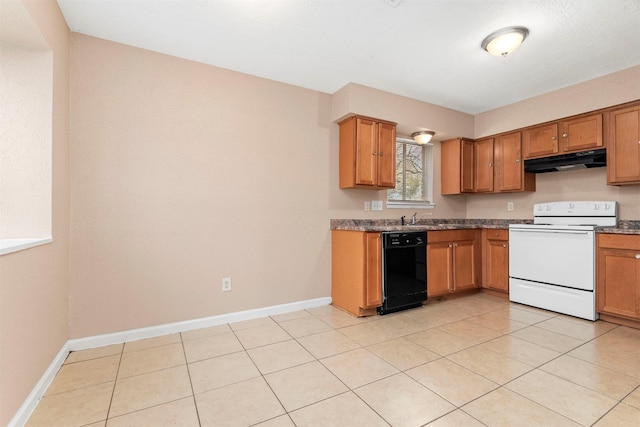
[(618, 275), (457, 260), (453, 261), (495, 259), (356, 271)]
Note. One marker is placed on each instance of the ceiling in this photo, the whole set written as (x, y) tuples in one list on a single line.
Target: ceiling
[(427, 50)]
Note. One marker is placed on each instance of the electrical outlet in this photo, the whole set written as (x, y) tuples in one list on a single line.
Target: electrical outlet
[(226, 284), (376, 205), (509, 206), (367, 206)]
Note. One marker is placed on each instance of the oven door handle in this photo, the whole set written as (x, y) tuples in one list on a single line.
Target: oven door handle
[(522, 230)]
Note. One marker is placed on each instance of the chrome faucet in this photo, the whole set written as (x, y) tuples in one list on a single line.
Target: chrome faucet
[(413, 219)]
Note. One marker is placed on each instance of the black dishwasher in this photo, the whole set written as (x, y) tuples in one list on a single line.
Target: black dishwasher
[(404, 270)]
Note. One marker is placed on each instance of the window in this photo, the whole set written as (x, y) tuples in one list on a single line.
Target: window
[(414, 176), (26, 105)]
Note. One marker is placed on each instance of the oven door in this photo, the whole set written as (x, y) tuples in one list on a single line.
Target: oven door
[(555, 256)]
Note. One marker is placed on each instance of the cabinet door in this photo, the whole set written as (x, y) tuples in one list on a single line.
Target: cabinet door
[(464, 265), (366, 154), (373, 279), (618, 282), (623, 146), (583, 133), (483, 165), (540, 141), (456, 166), (467, 160), (496, 264), (386, 155), (509, 166), (439, 268)]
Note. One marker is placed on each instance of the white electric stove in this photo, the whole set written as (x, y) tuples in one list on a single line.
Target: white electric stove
[(552, 261)]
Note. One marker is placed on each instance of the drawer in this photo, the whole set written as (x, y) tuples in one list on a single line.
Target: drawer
[(451, 235), (497, 234), (619, 241)]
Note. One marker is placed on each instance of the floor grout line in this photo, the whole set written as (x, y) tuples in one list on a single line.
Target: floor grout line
[(393, 328)]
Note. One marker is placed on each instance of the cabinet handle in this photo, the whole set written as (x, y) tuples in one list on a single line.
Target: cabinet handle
[(490, 164), (517, 160), (380, 153), (554, 137), (637, 256), (565, 135), (504, 245), (374, 153), (455, 245), (450, 246)]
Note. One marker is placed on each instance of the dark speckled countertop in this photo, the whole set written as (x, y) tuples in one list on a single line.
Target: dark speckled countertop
[(424, 224), (624, 227)]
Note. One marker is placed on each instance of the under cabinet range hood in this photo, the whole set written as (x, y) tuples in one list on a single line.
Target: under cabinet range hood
[(570, 161)]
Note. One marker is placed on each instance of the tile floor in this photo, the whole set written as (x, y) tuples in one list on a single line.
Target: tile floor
[(471, 361)]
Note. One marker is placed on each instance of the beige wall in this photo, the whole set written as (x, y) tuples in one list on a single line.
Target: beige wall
[(182, 174), (612, 89), (33, 283), (590, 184)]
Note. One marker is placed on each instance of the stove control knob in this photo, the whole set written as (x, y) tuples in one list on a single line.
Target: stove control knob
[(572, 205), (596, 207), (548, 207), (607, 206)]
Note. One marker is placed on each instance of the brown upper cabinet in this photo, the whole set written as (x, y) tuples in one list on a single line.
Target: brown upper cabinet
[(578, 134), (483, 168), (540, 141), (367, 153), (623, 146), (509, 172), (487, 165), (457, 171)]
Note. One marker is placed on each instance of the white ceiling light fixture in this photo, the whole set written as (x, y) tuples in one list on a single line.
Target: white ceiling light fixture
[(423, 136), (504, 41)]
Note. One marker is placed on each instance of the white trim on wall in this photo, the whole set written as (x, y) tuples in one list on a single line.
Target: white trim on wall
[(25, 411), (30, 403)]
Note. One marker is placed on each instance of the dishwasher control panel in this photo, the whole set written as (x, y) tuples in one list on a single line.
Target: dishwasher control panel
[(398, 239)]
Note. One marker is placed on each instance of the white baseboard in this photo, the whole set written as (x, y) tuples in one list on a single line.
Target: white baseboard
[(188, 325), (23, 414), (41, 387)]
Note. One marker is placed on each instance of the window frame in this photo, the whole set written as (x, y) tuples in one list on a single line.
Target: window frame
[(427, 177)]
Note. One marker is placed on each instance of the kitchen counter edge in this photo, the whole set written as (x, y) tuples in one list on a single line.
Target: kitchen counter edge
[(624, 226)]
